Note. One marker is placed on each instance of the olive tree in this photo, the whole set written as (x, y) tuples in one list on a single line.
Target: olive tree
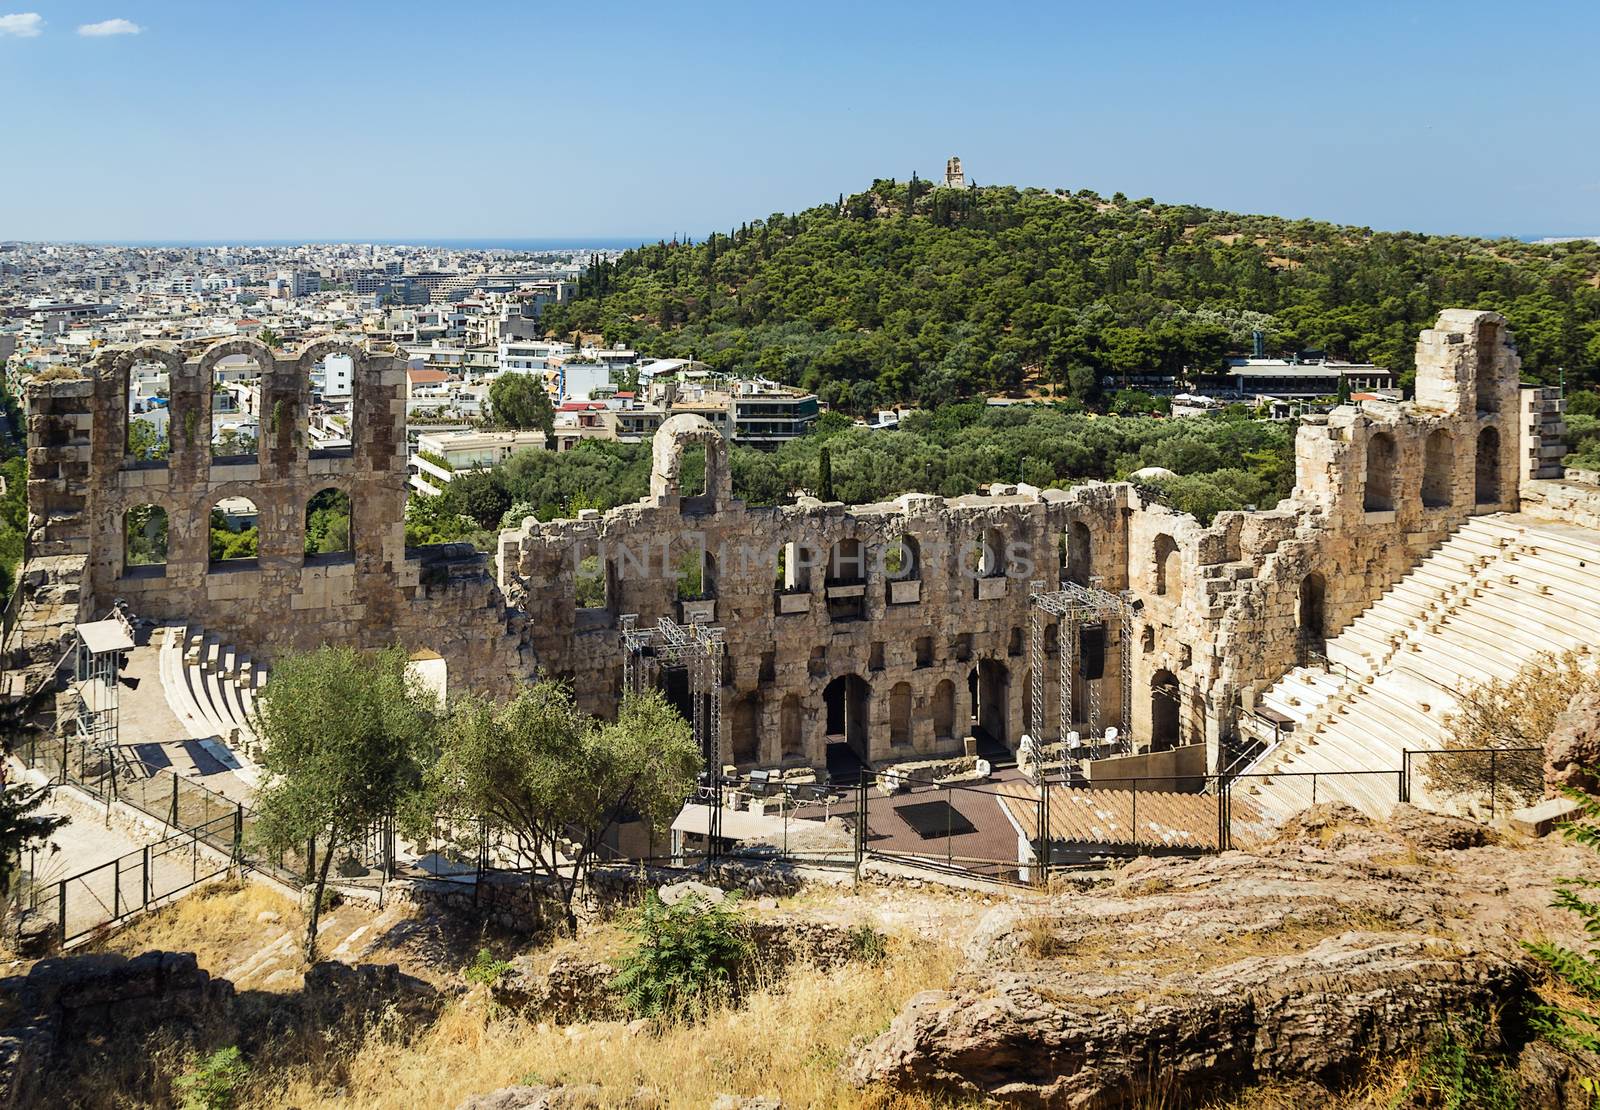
[(554, 780), (346, 734)]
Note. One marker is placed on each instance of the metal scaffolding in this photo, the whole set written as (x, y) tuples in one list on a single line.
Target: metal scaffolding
[(100, 646), (697, 649), (1074, 608)]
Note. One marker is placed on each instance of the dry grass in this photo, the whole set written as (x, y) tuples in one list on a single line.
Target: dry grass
[(788, 1039), (1038, 938), (220, 923)]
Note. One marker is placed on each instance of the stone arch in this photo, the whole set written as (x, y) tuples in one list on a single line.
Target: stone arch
[(235, 531), (1378, 490), (114, 370), (1486, 476), (792, 568), (321, 351), (667, 449), (790, 735), (1169, 571), (1438, 470), (234, 431), (328, 521), (902, 558), (944, 710), (900, 714), (144, 539), (594, 580), (1165, 707)]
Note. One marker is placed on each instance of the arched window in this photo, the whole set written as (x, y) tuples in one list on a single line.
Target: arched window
[(1164, 705), (331, 420), (144, 539), (1080, 553), (847, 563), (793, 571), (1168, 573), (1310, 619), (1487, 478), (988, 555), (328, 523), (1485, 386), (1379, 494), (691, 573), (593, 583), (234, 532), (1438, 470), (235, 409), (900, 714), (902, 559), (149, 399)]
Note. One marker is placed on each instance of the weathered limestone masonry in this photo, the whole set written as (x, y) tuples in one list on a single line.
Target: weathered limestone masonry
[(1223, 610), (83, 483), (903, 651), (827, 639)]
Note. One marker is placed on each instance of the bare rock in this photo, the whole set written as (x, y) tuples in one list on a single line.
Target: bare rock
[(336, 993), (1317, 823), (673, 893), (583, 1096), (1437, 832), (1547, 1076), (1573, 749), (752, 1102), (564, 988)]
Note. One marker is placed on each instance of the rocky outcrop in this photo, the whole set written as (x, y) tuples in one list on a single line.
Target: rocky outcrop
[(1340, 943), (65, 1003), (564, 988), (1572, 753)]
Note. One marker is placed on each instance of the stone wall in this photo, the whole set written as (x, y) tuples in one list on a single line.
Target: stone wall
[(83, 483), (896, 664)]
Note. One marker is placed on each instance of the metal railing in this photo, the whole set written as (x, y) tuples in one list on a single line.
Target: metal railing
[(81, 903)]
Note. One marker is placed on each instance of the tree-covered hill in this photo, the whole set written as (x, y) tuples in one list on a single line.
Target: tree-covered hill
[(911, 292)]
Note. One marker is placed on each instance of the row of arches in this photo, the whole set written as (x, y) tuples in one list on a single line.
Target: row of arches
[(233, 525), (1380, 493), (847, 708), (229, 428)]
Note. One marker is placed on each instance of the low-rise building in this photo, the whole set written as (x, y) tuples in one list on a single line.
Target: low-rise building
[(440, 456)]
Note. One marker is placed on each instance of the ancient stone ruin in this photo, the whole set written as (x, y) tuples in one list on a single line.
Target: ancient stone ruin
[(877, 633)]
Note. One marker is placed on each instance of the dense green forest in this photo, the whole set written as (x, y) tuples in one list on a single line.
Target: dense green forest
[(14, 502), (1222, 462), (908, 292)]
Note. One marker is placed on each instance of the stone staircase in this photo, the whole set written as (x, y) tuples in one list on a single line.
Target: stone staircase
[(211, 687), (1499, 591)]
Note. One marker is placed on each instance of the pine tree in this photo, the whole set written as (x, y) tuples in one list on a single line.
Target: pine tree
[(825, 475)]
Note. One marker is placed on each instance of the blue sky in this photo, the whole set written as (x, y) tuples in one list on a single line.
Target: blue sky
[(366, 119)]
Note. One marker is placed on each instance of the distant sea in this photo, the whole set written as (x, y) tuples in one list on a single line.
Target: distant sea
[(510, 243)]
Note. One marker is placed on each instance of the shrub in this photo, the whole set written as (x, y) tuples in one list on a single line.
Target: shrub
[(1575, 1024), (485, 968), (868, 945), (213, 1082), (688, 956)]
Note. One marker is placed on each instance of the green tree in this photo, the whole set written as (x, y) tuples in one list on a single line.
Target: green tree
[(555, 781), (345, 734), (825, 475), (270, 338), (519, 401), (144, 442)]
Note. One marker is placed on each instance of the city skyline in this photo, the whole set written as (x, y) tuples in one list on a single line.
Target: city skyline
[(361, 124)]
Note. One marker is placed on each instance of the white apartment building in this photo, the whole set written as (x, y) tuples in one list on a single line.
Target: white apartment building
[(440, 456)]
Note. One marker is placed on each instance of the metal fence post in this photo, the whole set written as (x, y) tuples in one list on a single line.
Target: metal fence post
[(61, 909), (1405, 775), (144, 881), (1135, 829), (174, 821), (949, 830), (238, 832), (1493, 783)]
